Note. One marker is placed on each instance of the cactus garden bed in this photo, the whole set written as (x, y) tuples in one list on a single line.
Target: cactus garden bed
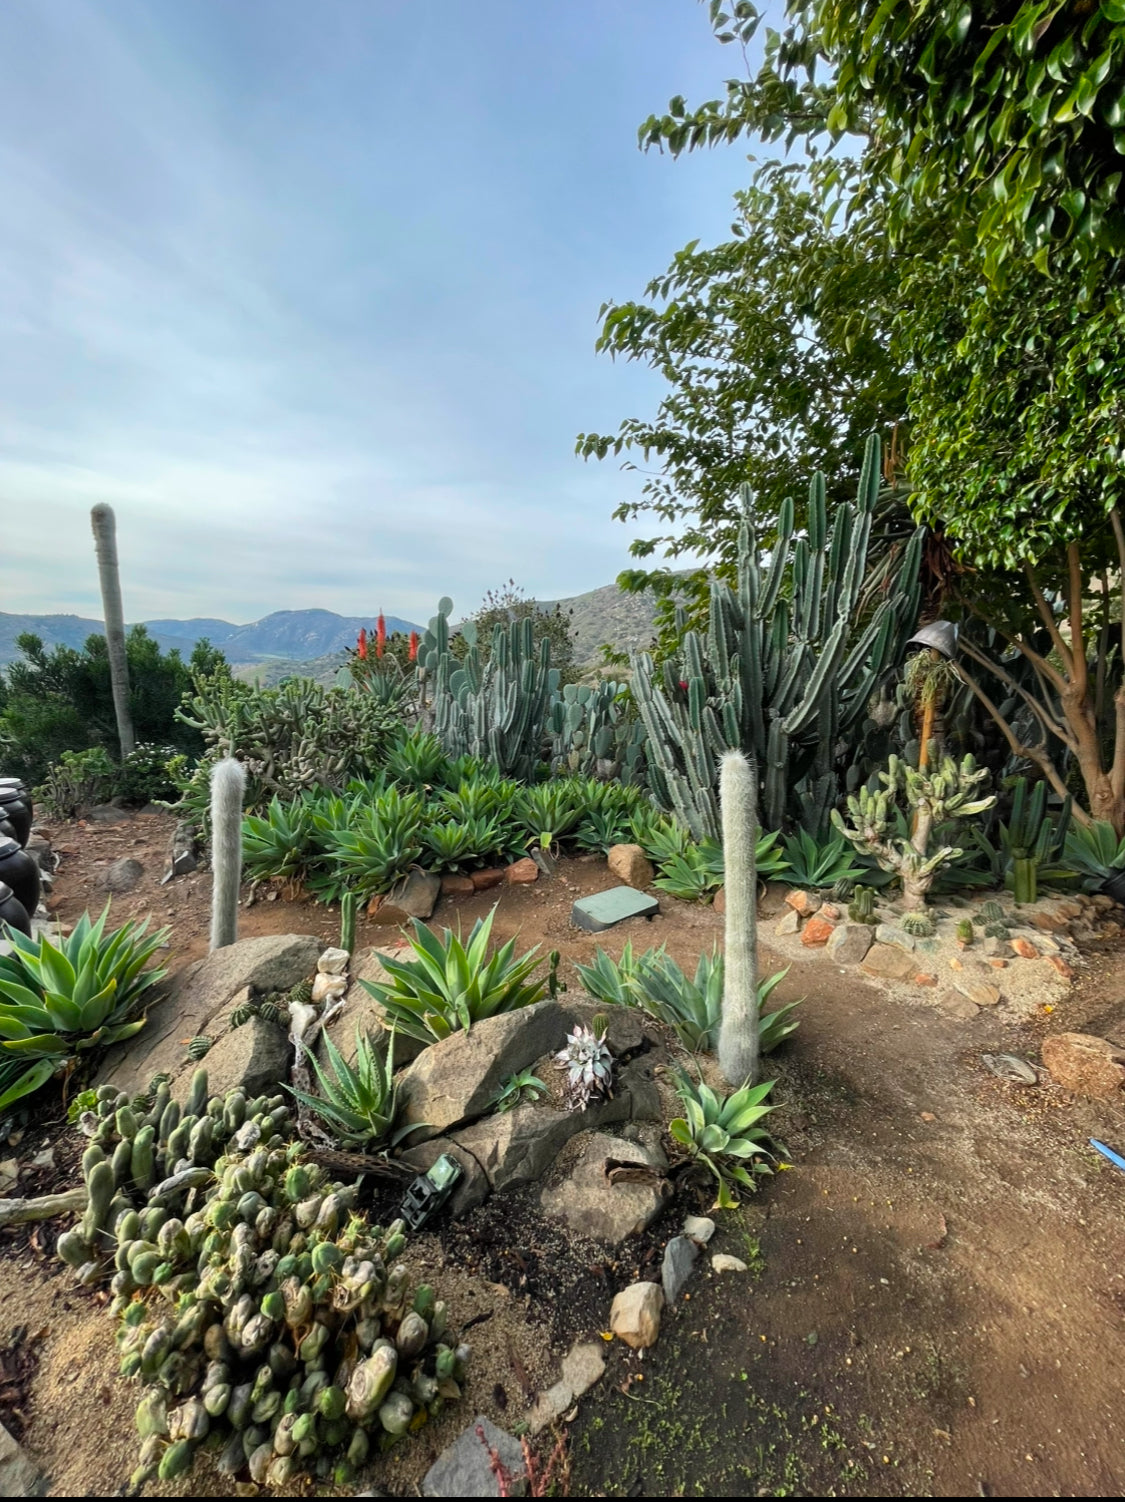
[(981, 1230)]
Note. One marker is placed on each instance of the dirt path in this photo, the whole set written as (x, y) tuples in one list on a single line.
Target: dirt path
[(937, 1296), (941, 1283)]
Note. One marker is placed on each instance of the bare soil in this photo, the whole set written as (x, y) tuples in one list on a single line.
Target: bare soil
[(936, 1296)]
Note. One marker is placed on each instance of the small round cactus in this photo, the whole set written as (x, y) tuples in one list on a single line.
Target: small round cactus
[(918, 925), (965, 931), (198, 1047), (992, 912)]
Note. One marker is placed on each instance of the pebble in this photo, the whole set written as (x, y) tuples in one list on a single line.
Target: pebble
[(333, 962), (699, 1228), (722, 1262), (678, 1266)]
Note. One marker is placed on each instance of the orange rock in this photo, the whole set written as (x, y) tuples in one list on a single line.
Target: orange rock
[(522, 873), (482, 880), (817, 931), (1050, 923), (923, 978), (1024, 948), (999, 964), (802, 902), (457, 886), (1086, 1064), (1060, 965), (720, 903), (375, 904), (955, 964), (831, 911)]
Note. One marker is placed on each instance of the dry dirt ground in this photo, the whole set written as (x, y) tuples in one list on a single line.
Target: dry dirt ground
[(936, 1301)]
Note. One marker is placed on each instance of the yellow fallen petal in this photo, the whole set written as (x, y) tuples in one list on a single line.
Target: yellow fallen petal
[(606, 1334)]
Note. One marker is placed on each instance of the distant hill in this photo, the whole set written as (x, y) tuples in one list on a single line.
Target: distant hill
[(608, 615), (297, 635)]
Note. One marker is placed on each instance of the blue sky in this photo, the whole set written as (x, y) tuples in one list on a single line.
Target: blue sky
[(308, 291)]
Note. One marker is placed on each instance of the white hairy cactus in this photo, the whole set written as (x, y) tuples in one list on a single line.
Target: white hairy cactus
[(738, 1029), (228, 782)]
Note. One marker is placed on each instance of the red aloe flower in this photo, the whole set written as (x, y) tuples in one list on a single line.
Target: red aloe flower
[(361, 644), (380, 635), (414, 646)]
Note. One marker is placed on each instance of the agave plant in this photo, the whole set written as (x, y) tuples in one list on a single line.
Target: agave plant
[(58, 1001), (609, 980), (821, 863), (525, 1086), (450, 984), (380, 845), (279, 843), (549, 810), (721, 1132), (447, 847), (417, 761), (357, 1104), (601, 828), (1094, 851)]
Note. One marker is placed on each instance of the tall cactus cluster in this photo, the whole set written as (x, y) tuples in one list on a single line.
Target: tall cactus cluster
[(253, 1302), (592, 734), (786, 668), (739, 1041), (495, 709)]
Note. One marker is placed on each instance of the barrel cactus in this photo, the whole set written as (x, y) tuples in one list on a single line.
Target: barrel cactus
[(918, 925)]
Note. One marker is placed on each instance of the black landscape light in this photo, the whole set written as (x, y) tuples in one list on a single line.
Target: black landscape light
[(429, 1191)]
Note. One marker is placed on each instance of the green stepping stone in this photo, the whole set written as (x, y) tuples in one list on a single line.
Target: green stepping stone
[(604, 909)]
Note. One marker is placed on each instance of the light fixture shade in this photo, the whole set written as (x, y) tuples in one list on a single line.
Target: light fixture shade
[(940, 635)]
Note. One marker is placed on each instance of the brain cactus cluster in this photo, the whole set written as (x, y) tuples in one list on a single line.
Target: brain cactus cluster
[(255, 1304)]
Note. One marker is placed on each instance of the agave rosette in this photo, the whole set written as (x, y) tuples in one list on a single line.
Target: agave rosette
[(722, 1133)]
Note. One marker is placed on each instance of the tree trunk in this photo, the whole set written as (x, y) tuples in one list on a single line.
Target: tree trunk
[(105, 543)]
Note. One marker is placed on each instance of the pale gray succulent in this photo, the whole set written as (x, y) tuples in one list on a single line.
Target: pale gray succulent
[(589, 1066)]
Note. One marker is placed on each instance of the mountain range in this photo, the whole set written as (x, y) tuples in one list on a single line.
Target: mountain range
[(288, 640)]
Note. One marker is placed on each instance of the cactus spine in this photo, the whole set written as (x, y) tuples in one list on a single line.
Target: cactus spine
[(738, 1029), (109, 577), (228, 781)]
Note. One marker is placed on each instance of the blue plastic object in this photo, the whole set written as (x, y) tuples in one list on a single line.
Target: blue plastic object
[(1108, 1152)]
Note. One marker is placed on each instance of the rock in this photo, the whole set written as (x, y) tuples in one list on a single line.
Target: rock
[(699, 1227), (887, 933), (19, 1475), (679, 1263), (457, 1079), (122, 875), (362, 1011), (631, 866), (44, 1159), (464, 1468), (1085, 1064), (457, 886), (818, 930), (255, 1056), (415, 896), (1049, 922), (9, 1174), (634, 1316), (585, 1199), (333, 962), (39, 848), (830, 910), (722, 1262), (549, 1406), (1057, 962), (1024, 948), (1068, 909), (888, 962), (603, 909), (583, 1365), (789, 924), (959, 1006), (483, 880), (848, 943), (980, 992), (328, 988), (522, 873), (924, 978), (998, 964), (189, 1002), (720, 901), (106, 813), (803, 903)]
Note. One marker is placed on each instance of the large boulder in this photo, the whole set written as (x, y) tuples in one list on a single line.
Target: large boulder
[(191, 1001), (457, 1080), (415, 896), (1086, 1064), (593, 1204), (255, 1056)]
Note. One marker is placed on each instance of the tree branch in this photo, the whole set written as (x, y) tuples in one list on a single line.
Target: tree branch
[(1047, 615), (1047, 720), (1079, 667)]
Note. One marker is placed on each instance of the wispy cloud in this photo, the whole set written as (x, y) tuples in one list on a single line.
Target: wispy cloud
[(309, 293)]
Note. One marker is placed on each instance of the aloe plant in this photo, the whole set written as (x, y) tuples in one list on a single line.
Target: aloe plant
[(451, 984), (358, 1104), (59, 1001), (722, 1133), (1094, 851)]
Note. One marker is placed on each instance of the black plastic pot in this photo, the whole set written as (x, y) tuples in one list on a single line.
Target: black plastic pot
[(1114, 886), (13, 914), (7, 831), (20, 872), (16, 809)]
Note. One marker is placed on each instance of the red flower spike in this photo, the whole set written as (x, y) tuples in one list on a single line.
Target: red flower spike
[(380, 635), (361, 644), (414, 646)]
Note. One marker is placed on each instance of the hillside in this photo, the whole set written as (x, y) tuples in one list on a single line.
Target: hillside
[(297, 635), (607, 615)]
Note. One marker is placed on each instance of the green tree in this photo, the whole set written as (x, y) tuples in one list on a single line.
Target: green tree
[(62, 700), (510, 603)]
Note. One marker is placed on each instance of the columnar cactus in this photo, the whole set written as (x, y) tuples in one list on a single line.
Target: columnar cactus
[(228, 780), (109, 577), (348, 903), (738, 1029), (932, 798), (787, 667)]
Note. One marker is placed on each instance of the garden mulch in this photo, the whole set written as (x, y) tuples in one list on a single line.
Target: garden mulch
[(936, 1296)]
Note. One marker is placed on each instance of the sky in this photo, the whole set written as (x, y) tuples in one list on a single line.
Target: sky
[(308, 292)]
